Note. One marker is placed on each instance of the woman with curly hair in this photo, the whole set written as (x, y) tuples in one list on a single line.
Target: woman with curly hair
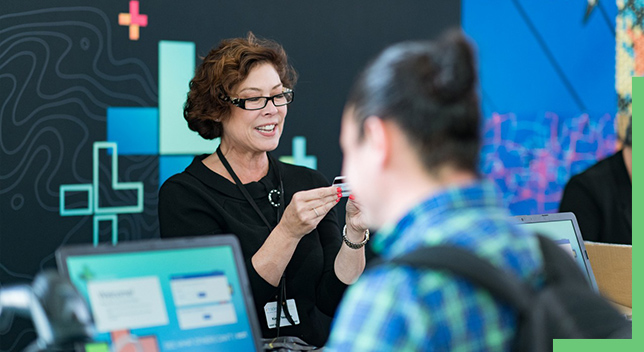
[(283, 214)]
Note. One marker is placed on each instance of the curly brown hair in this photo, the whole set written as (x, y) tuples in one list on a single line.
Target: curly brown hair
[(221, 71)]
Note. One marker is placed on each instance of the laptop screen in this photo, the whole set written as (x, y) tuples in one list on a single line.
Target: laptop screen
[(165, 295), (563, 229)]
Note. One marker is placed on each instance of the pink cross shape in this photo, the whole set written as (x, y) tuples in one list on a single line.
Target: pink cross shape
[(133, 19)]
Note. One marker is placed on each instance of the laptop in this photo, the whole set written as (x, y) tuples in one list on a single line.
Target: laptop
[(188, 294), (564, 230)]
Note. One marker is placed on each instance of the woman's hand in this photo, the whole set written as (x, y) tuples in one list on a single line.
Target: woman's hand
[(350, 263), (307, 209), (355, 220)]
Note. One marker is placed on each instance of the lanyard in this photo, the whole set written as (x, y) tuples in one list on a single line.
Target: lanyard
[(280, 210)]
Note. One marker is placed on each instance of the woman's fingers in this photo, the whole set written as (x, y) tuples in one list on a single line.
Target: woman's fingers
[(315, 203), (329, 198)]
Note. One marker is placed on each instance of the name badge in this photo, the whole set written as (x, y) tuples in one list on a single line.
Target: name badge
[(270, 310)]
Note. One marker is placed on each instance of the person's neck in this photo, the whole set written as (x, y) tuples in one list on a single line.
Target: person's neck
[(627, 153), (248, 166), (409, 189)]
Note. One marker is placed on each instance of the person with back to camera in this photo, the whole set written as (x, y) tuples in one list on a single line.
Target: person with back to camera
[(411, 137), (601, 197), (283, 214)]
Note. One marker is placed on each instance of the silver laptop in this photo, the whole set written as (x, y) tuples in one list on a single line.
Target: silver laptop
[(564, 230), (188, 294)]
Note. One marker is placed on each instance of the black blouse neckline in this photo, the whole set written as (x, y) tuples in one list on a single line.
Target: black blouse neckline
[(257, 189)]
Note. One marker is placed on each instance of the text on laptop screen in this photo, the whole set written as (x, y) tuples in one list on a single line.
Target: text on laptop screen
[(164, 300), (563, 233)]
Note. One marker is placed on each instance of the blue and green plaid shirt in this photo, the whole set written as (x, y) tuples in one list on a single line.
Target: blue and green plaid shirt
[(400, 308)]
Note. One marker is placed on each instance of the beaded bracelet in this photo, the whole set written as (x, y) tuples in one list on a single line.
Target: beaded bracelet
[(354, 245)]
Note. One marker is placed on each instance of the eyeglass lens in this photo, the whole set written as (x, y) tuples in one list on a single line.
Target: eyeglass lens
[(260, 102)]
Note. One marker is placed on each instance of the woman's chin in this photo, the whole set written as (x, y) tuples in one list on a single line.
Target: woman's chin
[(269, 147)]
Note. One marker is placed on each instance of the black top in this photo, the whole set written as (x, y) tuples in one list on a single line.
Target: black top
[(601, 199), (199, 201)]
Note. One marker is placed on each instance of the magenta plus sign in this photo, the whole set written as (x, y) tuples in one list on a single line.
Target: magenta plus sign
[(135, 17)]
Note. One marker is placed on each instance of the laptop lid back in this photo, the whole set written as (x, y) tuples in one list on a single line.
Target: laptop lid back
[(189, 294)]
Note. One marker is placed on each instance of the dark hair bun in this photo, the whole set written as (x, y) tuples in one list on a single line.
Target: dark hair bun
[(455, 74)]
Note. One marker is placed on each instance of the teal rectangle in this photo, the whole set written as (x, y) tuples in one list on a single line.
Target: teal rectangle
[(87, 210), (176, 69)]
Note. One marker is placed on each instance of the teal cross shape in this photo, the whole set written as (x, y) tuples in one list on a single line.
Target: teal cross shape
[(102, 213), (299, 155)]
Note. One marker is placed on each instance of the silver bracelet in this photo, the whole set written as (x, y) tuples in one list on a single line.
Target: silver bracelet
[(355, 245)]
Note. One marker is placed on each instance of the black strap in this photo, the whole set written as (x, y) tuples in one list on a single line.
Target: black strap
[(480, 272), (242, 189), (282, 285)]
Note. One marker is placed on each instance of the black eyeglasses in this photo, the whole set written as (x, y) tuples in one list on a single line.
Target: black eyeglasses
[(257, 103)]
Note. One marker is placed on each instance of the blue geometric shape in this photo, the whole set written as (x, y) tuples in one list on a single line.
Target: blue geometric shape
[(172, 164), (134, 129), (526, 59), (117, 186), (89, 210), (299, 155)]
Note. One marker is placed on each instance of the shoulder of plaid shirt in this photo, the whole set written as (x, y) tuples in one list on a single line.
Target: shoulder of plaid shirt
[(399, 308)]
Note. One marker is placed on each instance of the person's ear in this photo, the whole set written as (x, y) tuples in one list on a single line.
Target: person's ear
[(377, 138)]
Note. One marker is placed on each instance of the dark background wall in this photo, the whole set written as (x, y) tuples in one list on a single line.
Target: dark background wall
[(64, 63)]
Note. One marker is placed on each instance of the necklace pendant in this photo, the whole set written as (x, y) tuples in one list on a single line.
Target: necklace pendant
[(274, 197)]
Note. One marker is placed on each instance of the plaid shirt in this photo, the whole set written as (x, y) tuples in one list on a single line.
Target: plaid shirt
[(399, 308)]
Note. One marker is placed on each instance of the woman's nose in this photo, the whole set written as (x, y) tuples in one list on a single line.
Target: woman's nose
[(270, 107)]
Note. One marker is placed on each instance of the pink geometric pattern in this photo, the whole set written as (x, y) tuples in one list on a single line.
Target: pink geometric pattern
[(531, 159)]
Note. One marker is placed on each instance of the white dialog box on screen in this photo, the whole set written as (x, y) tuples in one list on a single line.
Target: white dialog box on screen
[(203, 300), (200, 289), (127, 303), (211, 315)]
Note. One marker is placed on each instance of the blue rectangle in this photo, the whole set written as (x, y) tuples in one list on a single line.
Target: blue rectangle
[(172, 164), (134, 129)]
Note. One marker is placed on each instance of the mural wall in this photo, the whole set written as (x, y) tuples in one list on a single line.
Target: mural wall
[(91, 97), (548, 88)]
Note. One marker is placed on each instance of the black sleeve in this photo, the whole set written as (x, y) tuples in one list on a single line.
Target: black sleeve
[(579, 199)]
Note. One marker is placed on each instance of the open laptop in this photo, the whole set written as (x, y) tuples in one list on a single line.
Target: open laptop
[(564, 230), (189, 294)]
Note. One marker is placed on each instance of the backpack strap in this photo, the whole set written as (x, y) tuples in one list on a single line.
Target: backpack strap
[(478, 271), (565, 298)]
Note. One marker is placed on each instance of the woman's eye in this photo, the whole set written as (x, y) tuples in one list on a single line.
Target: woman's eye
[(256, 99)]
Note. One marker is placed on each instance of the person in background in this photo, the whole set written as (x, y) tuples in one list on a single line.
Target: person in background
[(283, 214), (601, 197), (411, 138)]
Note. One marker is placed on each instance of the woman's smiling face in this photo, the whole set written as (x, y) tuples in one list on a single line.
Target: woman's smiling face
[(256, 130)]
